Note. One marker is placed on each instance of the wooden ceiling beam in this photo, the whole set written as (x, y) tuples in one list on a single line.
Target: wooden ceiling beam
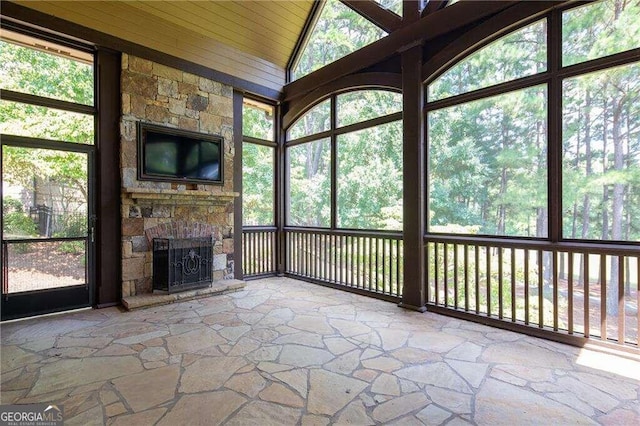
[(501, 23), (425, 29), (433, 6), (411, 10), (380, 16), (367, 80)]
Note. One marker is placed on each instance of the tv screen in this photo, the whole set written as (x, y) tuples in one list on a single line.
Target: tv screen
[(168, 154)]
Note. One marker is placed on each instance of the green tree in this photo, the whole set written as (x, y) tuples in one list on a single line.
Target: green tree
[(258, 162), (338, 32), (257, 184), (309, 201), (602, 130), (368, 167), (39, 73)]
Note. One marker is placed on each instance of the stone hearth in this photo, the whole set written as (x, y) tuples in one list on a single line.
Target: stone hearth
[(150, 299)]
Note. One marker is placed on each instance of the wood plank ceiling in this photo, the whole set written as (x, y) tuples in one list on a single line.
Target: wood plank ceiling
[(266, 29), (250, 40)]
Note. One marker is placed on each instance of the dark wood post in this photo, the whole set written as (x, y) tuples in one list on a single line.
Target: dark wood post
[(281, 198), (107, 185), (413, 179), (238, 272)]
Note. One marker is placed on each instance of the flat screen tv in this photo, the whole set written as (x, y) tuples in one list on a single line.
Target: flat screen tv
[(167, 154)]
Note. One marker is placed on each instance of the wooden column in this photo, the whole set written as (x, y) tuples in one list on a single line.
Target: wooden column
[(413, 179), (107, 186), (281, 198), (238, 272)]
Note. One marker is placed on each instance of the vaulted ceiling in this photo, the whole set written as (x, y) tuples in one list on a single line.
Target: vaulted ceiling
[(266, 29), (250, 40)]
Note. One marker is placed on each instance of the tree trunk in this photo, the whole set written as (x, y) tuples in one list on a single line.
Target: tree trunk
[(574, 222), (617, 205), (627, 233), (586, 202), (605, 212), (502, 211), (605, 192)]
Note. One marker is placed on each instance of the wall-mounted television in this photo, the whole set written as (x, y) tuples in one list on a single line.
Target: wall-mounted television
[(174, 155)]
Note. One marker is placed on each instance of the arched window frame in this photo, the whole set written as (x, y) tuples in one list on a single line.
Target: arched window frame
[(552, 79), (307, 32), (383, 82)]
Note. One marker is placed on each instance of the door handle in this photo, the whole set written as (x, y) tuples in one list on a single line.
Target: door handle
[(92, 227)]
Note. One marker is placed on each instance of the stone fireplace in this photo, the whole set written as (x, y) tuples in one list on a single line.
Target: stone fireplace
[(157, 94)]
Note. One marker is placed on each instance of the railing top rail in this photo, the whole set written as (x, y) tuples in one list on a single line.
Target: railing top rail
[(346, 232), (606, 248), (249, 229), (42, 240)]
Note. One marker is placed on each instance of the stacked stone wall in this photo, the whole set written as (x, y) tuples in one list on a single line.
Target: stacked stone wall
[(157, 94)]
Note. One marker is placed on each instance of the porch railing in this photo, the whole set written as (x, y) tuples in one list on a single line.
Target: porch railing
[(363, 261), (566, 291), (571, 292), (259, 251)]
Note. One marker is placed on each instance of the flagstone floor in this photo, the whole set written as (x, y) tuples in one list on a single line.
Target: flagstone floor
[(285, 352)]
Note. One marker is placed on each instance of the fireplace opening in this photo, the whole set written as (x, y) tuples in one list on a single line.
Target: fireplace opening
[(181, 264)]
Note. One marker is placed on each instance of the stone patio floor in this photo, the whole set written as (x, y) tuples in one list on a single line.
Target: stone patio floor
[(285, 352)]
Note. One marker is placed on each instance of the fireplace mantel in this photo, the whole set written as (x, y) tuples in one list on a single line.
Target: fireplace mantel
[(178, 196)]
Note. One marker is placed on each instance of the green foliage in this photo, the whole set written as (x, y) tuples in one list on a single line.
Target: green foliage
[(30, 167), (369, 165), (316, 120), (44, 74), (481, 290), (519, 54), (487, 158), (11, 205), (18, 225), (72, 225), (455, 229), (394, 6), (71, 247), (599, 29), (15, 223), (361, 105), (487, 162), (258, 122), (31, 71), (333, 259), (601, 146), (257, 185), (46, 123), (58, 178), (258, 162), (338, 32), (38, 73), (310, 184), (369, 178)]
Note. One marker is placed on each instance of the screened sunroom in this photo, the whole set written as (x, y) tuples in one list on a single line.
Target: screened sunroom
[(517, 174), (321, 211)]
